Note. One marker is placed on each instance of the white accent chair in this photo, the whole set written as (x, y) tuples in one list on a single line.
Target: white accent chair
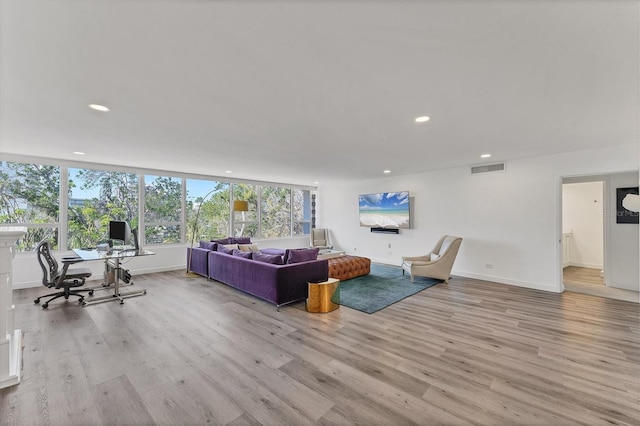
[(320, 239), (436, 264)]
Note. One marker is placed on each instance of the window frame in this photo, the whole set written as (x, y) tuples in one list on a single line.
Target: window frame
[(61, 227)]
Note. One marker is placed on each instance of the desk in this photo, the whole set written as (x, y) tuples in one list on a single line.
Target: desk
[(115, 257)]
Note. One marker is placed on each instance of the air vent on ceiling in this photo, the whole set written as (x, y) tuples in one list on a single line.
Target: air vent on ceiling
[(485, 168)]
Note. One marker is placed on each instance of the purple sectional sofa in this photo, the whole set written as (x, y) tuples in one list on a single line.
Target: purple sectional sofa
[(200, 260), (275, 275), (278, 284)]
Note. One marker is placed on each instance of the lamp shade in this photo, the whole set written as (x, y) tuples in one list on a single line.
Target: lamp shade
[(240, 206)]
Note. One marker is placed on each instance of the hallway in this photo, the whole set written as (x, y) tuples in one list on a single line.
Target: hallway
[(588, 281)]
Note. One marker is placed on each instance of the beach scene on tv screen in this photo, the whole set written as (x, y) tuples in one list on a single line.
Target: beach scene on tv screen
[(385, 210)]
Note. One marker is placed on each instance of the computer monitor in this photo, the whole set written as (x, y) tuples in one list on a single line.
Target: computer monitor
[(119, 231)]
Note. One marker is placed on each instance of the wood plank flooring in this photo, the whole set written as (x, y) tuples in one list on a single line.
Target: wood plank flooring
[(194, 351), (582, 275)]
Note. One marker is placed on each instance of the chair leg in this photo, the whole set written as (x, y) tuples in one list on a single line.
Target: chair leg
[(65, 293), (37, 300)]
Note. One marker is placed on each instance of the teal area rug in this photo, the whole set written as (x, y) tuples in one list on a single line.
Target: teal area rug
[(384, 286)]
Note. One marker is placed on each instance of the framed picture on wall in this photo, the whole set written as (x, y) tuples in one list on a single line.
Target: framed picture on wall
[(627, 205)]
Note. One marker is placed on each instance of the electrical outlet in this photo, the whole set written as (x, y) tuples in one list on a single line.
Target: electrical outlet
[(488, 266), (389, 245), (354, 249)]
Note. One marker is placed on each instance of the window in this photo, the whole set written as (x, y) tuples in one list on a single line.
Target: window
[(72, 207), (30, 196), (95, 198), (275, 212), (211, 199), (245, 224), (301, 211), (162, 209)]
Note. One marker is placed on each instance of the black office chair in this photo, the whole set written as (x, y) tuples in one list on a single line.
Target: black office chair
[(73, 277)]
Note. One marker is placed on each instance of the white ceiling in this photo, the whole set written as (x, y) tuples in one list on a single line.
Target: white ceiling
[(305, 91)]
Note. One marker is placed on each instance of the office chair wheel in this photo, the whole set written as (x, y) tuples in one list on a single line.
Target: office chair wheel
[(37, 301), (81, 301), (91, 293), (45, 306)]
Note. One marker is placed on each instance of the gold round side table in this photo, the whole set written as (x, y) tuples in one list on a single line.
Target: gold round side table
[(324, 296)]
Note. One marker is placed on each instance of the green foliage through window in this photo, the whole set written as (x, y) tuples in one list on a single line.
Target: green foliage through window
[(30, 196)]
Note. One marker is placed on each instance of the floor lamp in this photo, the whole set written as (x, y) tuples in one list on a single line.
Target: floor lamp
[(195, 231), (241, 206)]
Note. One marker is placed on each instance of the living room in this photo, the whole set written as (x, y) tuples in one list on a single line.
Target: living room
[(325, 97)]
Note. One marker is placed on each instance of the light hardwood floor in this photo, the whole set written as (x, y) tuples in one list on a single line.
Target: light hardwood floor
[(589, 281), (582, 275), (194, 351)]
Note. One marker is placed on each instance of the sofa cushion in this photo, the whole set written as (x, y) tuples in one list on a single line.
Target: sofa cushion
[(242, 240), (225, 241), (240, 253), (209, 245), (248, 247), (225, 250), (268, 258), (280, 252), (302, 255)]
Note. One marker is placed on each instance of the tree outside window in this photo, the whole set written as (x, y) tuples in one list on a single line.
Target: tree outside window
[(212, 198), (301, 211), (95, 198), (30, 197), (162, 209), (245, 224), (275, 219)]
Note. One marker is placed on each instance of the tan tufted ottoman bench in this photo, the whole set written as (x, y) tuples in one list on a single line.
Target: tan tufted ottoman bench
[(347, 267)]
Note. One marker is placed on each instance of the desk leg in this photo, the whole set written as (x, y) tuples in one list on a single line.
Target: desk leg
[(117, 295)]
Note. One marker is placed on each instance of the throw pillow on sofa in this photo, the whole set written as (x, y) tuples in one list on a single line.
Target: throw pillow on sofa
[(224, 241), (268, 258), (209, 245), (242, 240), (302, 255), (225, 250), (240, 253), (248, 247)]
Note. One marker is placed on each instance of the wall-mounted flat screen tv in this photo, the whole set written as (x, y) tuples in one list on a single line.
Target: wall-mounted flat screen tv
[(385, 210)]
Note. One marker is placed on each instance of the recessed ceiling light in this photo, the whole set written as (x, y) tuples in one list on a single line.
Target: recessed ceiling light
[(315, 183), (422, 119), (387, 171), (78, 153), (99, 107), (227, 171), (485, 156)]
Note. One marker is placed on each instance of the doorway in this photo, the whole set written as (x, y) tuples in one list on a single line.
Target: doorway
[(583, 233), (592, 242)]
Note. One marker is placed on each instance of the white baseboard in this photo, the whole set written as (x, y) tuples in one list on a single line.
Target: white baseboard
[(525, 284), (517, 283), (96, 278), (587, 265)]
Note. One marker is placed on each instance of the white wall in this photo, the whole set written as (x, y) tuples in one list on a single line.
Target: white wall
[(510, 221), (583, 217), (622, 239)]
